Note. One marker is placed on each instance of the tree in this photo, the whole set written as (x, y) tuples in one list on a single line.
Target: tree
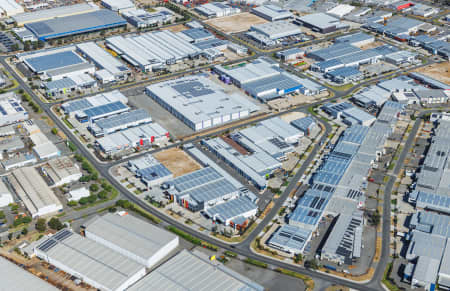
[(24, 231), (41, 226), (312, 264), (94, 176), (72, 203), (298, 258), (54, 130), (102, 194), (55, 223), (85, 179), (2, 214), (94, 188), (10, 236)]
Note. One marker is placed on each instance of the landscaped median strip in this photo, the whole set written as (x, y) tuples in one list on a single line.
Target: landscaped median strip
[(387, 281), (192, 239)]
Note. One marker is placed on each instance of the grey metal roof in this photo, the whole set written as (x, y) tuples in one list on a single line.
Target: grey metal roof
[(130, 233), (334, 51), (354, 38), (60, 11), (430, 81), (433, 201), (232, 208), (121, 119), (310, 207), (320, 20), (345, 72), (290, 237), (54, 61), (90, 259), (272, 12), (193, 271), (69, 25), (16, 278), (197, 33), (304, 124)]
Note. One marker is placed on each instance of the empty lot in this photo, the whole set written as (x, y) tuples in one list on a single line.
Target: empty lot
[(177, 161), (235, 23), (439, 71)]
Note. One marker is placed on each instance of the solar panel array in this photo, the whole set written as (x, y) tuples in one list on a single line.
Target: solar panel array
[(154, 172), (54, 61), (124, 118), (232, 208), (290, 238), (196, 178), (211, 191), (52, 241), (105, 109)]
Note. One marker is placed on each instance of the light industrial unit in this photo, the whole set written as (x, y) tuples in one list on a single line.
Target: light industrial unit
[(121, 121), (199, 102), (72, 108), (290, 239), (11, 109), (149, 170), (38, 198), (61, 171), (321, 22), (90, 261), (272, 12), (134, 238)]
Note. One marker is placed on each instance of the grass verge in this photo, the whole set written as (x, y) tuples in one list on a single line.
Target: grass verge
[(309, 282)]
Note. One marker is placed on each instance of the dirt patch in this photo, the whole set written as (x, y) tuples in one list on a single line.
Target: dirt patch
[(177, 161), (175, 28), (235, 23), (440, 72), (371, 45)]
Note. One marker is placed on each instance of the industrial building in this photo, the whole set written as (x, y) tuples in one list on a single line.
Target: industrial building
[(75, 24), (256, 152), (305, 124), (93, 263), (119, 122), (234, 212), (356, 39), (277, 30), (118, 5), (10, 8), (134, 238), (343, 244), (72, 108), (399, 28), (31, 188), (348, 113), (17, 278), (5, 195), (11, 109), (272, 12), (199, 102), (264, 80), (135, 137), (149, 170), (344, 75), (61, 11), (61, 171), (371, 96), (19, 161), (338, 184), (340, 10), (196, 35), (202, 189), (216, 9), (290, 54), (42, 146), (77, 194), (194, 271), (428, 250), (152, 50), (290, 239), (321, 22), (430, 82), (69, 84), (111, 69), (56, 64), (141, 18)]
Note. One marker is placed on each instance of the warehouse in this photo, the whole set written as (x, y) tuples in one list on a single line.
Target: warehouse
[(71, 108), (344, 242), (75, 24), (290, 239), (42, 146), (194, 271), (18, 278), (276, 30), (134, 238), (135, 137), (196, 35), (141, 18), (199, 102), (61, 11), (398, 28), (334, 51), (118, 122), (118, 5), (216, 9), (233, 212), (101, 111), (77, 194), (272, 13), (202, 189), (344, 75), (321, 22), (264, 80), (56, 63), (305, 124), (90, 261), (69, 84), (341, 10), (152, 50), (401, 57), (430, 201), (371, 96), (432, 96), (61, 171), (356, 39), (5, 195), (111, 68), (19, 161), (11, 109), (150, 170), (10, 8), (433, 83), (31, 188), (348, 113), (290, 54)]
